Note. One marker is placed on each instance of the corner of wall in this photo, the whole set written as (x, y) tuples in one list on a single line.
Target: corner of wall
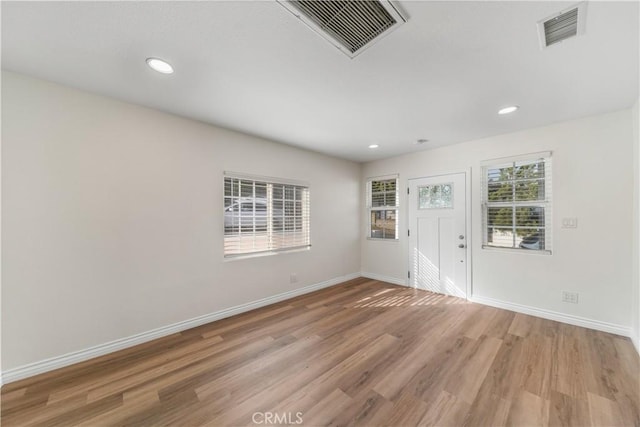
[(361, 207), (1, 236), (635, 262)]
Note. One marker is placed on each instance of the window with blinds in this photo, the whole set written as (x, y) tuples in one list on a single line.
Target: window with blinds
[(516, 203), (263, 215), (382, 202)]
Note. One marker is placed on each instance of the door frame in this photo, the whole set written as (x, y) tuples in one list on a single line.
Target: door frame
[(468, 233)]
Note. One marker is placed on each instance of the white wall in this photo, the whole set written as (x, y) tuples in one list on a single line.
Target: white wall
[(635, 260), (592, 180), (112, 219)]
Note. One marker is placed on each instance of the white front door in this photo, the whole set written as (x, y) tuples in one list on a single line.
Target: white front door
[(438, 235)]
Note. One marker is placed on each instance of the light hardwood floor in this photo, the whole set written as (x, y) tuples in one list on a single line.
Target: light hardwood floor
[(360, 353)]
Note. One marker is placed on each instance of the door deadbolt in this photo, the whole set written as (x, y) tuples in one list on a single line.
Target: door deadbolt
[(461, 237)]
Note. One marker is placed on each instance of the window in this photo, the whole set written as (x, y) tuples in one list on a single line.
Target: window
[(516, 204), (437, 196), (382, 201), (262, 215)]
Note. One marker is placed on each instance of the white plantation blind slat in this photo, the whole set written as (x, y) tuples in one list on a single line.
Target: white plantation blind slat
[(517, 203), (264, 216)]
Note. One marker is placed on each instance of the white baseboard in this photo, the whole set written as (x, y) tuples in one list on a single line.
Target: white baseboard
[(382, 278), (554, 315), (635, 339), (57, 362)]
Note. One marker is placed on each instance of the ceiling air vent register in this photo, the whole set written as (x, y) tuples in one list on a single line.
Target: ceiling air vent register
[(350, 25), (562, 26)]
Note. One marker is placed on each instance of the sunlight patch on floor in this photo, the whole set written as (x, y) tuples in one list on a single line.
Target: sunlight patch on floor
[(416, 298)]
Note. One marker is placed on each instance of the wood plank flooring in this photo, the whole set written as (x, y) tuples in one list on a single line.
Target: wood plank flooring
[(361, 353)]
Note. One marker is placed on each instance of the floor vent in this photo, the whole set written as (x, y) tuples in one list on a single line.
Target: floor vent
[(350, 25), (562, 26)]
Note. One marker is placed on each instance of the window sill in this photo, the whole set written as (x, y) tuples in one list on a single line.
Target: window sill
[(377, 239), (264, 254), (517, 250)]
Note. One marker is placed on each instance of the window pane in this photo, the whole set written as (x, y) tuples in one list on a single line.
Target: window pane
[(500, 174), (377, 186), (383, 224), (383, 193), (500, 237), (438, 196), (227, 187), (231, 187), (278, 224), (289, 192), (530, 190), (246, 188), (261, 208), (288, 208), (261, 190), (530, 239), (377, 199), (500, 191), (390, 199), (278, 191), (529, 170), (500, 217), (529, 217)]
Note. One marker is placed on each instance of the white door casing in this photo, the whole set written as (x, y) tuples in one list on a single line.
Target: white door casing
[(438, 234)]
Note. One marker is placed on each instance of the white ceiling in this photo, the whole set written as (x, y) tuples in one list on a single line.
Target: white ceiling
[(253, 67)]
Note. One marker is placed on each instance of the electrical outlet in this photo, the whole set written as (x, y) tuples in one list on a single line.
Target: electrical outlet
[(569, 222), (570, 297), (293, 278)]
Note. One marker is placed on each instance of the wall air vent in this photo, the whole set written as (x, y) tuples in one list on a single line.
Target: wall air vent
[(562, 26), (350, 25)]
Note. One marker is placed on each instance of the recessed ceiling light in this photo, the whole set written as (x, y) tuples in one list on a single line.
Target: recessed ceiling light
[(508, 110), (421, 141), (374, 146), (160, 66)]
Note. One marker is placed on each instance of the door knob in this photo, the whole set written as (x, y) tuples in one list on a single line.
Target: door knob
[(461, 245)]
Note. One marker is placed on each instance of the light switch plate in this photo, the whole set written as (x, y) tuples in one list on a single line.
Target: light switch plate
[(569, 222)]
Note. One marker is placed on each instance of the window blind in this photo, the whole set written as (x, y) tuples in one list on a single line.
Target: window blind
[(516, 203), (382, 201), (264, 216)]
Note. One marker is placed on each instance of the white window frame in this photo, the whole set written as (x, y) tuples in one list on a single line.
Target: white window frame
[(545, 204), (271, 239), (371, 208)]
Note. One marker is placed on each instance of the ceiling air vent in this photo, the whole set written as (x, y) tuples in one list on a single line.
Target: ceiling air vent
[(350, 25), (562, 26)]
